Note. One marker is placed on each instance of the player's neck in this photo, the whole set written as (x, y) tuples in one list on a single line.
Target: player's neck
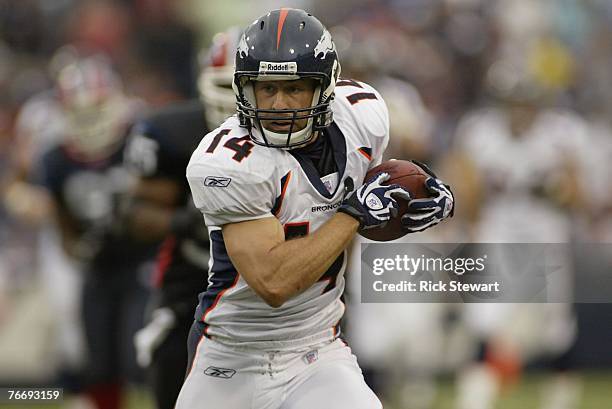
[(314, 139)]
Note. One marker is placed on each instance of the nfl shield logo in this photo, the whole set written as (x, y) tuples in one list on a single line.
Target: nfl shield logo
[(328, 185), (311, 356)]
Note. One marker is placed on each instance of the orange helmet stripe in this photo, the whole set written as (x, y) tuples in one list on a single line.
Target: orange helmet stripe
[(281, 22)]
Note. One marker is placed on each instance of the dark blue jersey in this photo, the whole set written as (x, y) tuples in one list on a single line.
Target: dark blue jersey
[(160, 147), (161, 144), (88, 195)]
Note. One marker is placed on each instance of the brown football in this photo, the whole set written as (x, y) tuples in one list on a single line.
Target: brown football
[(411, 177)]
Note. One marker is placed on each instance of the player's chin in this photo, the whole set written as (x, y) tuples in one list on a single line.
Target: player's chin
[(278, 126)]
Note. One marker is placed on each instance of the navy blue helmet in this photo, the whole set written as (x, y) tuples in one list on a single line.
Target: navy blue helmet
[(286, 44)]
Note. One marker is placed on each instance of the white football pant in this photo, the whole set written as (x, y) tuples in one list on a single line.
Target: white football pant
[(325, 376)]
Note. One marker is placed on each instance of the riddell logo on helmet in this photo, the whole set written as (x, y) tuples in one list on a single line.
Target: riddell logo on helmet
[(278, 67)]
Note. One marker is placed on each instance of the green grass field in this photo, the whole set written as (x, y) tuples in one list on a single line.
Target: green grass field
[(596, 394)]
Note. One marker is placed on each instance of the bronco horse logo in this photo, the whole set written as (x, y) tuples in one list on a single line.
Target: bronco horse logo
[(243, 47), (324, 45)]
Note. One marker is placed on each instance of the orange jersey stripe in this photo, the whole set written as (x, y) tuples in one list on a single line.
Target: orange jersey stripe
[(282, 196), (364, 153)]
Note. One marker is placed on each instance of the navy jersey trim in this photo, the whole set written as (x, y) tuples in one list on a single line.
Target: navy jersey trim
[(331, 275), (223, 276), (338, 143), (278, 202)]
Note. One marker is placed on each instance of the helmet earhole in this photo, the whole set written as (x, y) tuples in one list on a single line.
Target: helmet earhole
[(261, 25), (302, 25)]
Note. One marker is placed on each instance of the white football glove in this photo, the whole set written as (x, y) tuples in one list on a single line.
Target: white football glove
[(147, 339)]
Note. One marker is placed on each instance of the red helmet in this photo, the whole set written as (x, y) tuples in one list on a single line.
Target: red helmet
[(215, 82), (94, 106)]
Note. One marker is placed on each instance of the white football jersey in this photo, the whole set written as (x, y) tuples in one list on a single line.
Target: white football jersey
[(514, 167), (234, 180)]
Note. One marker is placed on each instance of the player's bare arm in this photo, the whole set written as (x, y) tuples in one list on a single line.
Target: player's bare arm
[(277, 269)]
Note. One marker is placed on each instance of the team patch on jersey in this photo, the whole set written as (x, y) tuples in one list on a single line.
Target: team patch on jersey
[(219, 372), (311, 356), (217, 181)]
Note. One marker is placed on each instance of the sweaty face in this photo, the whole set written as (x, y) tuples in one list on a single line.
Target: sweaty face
[(288, 94)]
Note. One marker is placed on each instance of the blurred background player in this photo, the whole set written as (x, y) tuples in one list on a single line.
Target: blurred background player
[(39, 127), (158, 150), (87, 181), (531, 166)]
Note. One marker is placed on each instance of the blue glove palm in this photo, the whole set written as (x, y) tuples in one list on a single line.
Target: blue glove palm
[(373, 204)]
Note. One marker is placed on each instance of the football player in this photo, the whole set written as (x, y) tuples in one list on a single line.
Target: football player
[(530, 166), (158, 150), (86, 180), (280, 187)]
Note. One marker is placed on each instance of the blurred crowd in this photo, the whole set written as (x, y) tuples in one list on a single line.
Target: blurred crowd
[(508, 100)]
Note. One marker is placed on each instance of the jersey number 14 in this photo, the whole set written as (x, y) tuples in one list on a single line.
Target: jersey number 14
[(242, 146)]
